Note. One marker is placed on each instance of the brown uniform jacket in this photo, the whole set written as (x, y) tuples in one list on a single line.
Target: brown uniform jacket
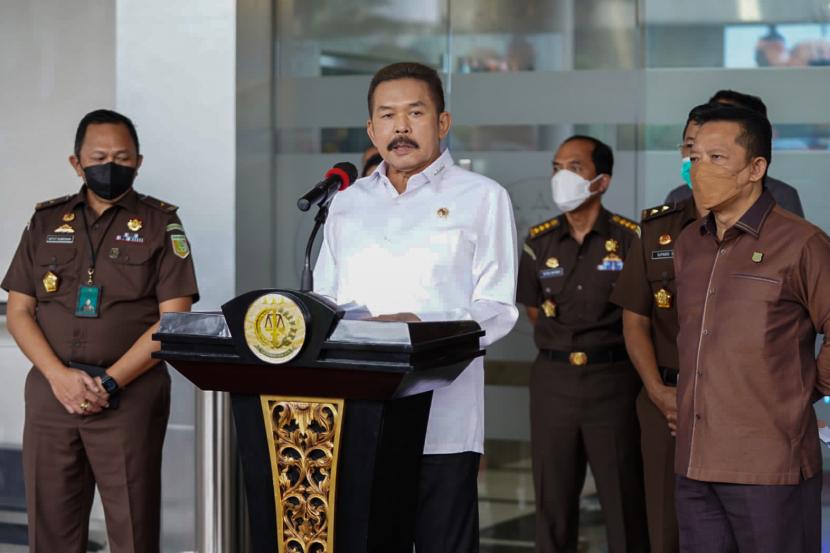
[(749, 308), (137, 269), (577, 279), (649, 274)]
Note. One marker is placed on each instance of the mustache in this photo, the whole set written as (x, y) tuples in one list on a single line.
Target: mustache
[(402, 140)]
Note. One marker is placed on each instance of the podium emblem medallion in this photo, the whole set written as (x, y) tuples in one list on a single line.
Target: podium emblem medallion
[(275, 328)]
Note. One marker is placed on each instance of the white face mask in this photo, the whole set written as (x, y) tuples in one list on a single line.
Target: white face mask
[(570, 190)]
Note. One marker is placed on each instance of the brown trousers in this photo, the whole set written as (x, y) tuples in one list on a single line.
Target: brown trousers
[(65, 456), (582, 415), (658, 467)]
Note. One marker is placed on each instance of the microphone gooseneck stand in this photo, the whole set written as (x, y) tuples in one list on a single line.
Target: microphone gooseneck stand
[(307, 278)]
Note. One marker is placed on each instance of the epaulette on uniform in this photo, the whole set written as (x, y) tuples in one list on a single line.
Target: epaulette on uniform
[(53, 202), (158, 204), (658, 211), (544, 228), (627, 224)]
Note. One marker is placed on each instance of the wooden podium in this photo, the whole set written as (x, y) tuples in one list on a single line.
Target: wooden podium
[(330, 413)]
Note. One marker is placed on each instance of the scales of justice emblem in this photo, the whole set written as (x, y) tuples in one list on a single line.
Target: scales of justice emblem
[(275, 328)]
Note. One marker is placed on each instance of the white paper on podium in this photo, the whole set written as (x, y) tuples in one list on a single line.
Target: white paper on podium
[(824, 435), (354, 311), (371, 332)]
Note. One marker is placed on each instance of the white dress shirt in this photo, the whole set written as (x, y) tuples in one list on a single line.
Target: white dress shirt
[(445, 249)]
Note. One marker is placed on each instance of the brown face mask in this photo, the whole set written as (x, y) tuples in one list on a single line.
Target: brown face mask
[(714, 186)]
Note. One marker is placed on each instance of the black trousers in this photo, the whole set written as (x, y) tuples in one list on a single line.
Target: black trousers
[(447, 517), (658, 468), (580, 416), (741, 518)]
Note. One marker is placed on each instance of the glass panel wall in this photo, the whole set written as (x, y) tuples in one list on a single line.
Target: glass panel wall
[(521, 76)]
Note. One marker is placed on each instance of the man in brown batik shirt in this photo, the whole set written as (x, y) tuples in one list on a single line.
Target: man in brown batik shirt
[(752, 295), (91, 276)]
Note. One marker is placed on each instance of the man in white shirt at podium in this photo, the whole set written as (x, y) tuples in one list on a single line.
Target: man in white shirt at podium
[(421, 239)]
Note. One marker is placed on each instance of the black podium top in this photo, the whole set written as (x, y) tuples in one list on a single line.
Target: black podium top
[(341, 358)]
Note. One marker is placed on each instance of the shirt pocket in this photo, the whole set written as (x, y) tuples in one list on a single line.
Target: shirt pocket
[(754, 287), (134, 273), (59, 260), (659, 268), (751, 301), (551, 281)]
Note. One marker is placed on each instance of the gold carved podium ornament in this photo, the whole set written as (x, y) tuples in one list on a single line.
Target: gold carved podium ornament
[(303, 433), (303, 442)]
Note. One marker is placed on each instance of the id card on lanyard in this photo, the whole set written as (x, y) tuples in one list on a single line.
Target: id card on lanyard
[(89, 294)]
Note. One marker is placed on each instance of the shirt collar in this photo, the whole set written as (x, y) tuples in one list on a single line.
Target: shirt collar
[(128, 202), (602, 226), (433, 173), (689, 210), (751, 221)]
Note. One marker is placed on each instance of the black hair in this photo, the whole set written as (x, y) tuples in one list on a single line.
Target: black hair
[(601, 155), (101, 116), (733, 97), (409, 70), (694, 113), (371, 162), (757, 131)]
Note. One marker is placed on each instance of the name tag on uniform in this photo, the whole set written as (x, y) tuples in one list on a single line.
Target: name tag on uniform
[(60, 239), (662, 254), (552, 273)]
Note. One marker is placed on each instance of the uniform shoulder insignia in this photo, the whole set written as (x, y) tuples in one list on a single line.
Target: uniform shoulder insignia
[(658, 211), (53, 202), (158, 204), (544, 228), (625, 223)]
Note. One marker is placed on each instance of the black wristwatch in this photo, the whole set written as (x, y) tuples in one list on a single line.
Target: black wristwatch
[(109, 384)]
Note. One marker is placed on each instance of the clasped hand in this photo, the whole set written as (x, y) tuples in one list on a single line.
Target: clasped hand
[(78, 392)]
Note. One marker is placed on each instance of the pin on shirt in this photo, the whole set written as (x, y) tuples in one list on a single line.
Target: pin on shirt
[(663, 298), (50, 282), (757, 257), (612, 261), (130, 237), (443, 212)]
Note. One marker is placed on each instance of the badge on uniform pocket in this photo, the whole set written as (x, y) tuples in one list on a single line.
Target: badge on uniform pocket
[(89, 301), (50, 282), (657, 255), (663, 298), (552, 273)]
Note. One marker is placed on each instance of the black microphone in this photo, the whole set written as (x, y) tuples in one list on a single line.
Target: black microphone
[(337, 178)]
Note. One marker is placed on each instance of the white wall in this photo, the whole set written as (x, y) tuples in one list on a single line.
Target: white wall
[(57, 62), (176, 78)]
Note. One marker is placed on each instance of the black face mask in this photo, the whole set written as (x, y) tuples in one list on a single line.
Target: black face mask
[(109, 180)]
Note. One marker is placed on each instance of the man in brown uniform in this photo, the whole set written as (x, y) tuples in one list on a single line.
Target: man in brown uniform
[(647, 293), (91, 276), (582, 385), (752, 295)]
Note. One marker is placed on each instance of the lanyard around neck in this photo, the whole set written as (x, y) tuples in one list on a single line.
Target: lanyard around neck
[(93, 250)]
